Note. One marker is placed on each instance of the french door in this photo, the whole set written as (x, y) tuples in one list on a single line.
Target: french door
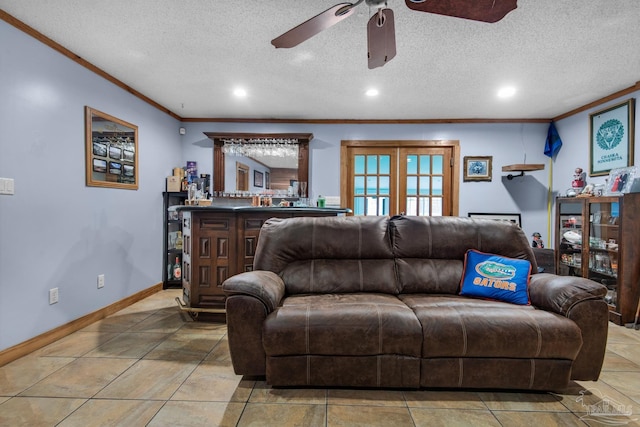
[(415, 178)]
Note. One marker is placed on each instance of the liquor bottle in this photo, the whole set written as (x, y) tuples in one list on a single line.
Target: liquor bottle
[(178, 239), (177, 270)]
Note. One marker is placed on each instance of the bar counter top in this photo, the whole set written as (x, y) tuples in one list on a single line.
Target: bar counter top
[(239, 209)]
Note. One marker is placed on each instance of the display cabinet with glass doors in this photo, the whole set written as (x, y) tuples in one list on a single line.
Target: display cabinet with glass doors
[(172, 248), (608, 251)]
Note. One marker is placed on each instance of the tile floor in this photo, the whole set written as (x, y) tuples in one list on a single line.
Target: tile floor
[(150, 365)]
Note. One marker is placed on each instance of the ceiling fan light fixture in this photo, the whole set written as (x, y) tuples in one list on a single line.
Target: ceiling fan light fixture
[(240, 92), (506, 92)]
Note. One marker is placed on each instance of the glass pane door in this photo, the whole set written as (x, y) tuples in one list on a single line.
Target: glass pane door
[(604, 235), (372, 183), (570, 236), (402, 178), (423, 178)]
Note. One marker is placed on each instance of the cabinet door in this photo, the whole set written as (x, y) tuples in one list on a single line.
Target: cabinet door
[(212, 257), (173, 240), (604, 240), (569, 237)]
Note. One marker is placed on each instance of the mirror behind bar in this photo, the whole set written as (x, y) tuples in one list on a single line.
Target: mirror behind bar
[(218, 139)]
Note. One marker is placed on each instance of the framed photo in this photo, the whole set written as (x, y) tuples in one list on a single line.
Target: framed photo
[(115, 152), (267, 180), (99, 149), (620, 180), (513, 217), (108, 142), (611, 138), (115, 168), (258, 179), (477, 168), (99, 165), (128, 155), (128, 170)]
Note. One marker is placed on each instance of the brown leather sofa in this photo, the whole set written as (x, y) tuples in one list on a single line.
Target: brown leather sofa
[(373, 302)]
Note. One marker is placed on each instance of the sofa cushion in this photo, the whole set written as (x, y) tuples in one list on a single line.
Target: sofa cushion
[(430, 250), (440, 276), (328, 254), (457, 326), (340, 276), (359, 324), (495, 277)]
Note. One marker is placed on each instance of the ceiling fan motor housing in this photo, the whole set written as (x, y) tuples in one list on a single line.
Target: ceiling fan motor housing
[(376, 3)]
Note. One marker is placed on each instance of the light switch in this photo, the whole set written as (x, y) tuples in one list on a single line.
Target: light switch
[(7, 186)]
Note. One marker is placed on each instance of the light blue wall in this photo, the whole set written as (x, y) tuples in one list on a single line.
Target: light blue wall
[(507, 143), (55, 231)]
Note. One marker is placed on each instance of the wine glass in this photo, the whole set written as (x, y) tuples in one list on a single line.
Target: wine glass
[(303, 189)]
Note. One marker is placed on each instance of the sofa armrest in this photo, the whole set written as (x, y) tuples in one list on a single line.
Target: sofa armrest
[(266, 286), (582, 301), (561, 293)]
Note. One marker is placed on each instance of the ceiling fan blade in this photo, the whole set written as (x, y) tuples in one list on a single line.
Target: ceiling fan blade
[(477, 10), (313, 26), (381, 38)]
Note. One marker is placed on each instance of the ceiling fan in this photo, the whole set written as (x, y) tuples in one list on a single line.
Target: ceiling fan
[(381, 38)]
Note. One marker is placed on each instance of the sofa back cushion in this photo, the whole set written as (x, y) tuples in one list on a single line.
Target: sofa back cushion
[(328, 254), (430, 250)]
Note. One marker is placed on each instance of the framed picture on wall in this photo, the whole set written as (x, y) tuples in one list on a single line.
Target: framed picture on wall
[(128, 170), (128, 155), (611, 138), (99, 165), (108, 142), (115, 168), (115, 152), (512, 217), (267, 180), (258, 179), (477, 168), (99, 149)]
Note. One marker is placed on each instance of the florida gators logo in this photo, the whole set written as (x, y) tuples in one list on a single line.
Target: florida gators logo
[(495, 270)]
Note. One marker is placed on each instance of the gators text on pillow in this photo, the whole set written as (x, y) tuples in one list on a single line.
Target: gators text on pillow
[(495, 277)]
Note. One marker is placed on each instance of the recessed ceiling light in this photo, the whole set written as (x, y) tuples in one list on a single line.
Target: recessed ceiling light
[(507, 92), (240, 92), (372, 92)]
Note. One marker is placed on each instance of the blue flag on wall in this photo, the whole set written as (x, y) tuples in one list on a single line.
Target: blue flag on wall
[(553, 143)]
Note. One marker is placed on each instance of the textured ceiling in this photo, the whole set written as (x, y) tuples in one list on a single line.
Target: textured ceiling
[(189, 55)]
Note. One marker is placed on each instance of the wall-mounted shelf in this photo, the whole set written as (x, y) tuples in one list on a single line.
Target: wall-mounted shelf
[(522, 168)]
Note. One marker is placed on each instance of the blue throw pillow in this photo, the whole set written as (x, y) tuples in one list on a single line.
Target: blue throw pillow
[(495, 277)]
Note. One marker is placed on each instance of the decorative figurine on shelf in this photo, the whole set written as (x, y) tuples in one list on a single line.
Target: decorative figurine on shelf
[(537, 241), (579, 178), (587, 191)]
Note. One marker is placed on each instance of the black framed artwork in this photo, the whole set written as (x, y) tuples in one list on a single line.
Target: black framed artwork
[(258, 179)]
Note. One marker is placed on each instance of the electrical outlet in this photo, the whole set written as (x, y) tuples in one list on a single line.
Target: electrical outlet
[(53, 295), (7, 186), (100, 281)]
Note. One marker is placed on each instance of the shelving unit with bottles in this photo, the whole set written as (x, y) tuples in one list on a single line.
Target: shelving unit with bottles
[(172, 248), (598, 238)]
